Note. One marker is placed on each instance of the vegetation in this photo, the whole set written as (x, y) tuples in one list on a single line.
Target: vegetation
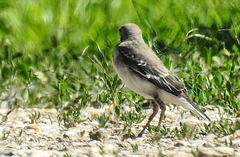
[(58, 53)]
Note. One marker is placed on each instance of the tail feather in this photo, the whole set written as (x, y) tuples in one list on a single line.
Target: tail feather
[(188, 104)]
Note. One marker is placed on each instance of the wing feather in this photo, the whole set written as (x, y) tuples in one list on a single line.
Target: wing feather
[(159, 76)]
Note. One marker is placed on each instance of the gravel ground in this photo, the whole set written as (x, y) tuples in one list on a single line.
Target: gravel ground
[(45, 137)]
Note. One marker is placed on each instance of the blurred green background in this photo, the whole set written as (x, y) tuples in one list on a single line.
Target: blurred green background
[(54, 53)]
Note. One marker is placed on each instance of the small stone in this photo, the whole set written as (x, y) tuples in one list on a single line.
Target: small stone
[(18, 124), (45, 120), (215, 152), (38, 153), (2, 130), (192, 121), (4, 107), (50, 136), (224, 139), (226, 151), (207, 144), (94, 151), (32, 126), (197, 143), (109, 148), (26, 120), (208, 152), (236, 143), (186, 149), (71, 134), (210, 137), (237, 134), (181, 143), (98, 134), (6, 152)]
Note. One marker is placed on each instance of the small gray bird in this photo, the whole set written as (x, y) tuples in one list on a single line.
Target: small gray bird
[(144, 73)]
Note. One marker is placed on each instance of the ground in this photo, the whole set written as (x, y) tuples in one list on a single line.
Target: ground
[(23, 135)]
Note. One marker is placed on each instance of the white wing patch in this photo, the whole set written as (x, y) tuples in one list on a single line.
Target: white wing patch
[(141, 63)]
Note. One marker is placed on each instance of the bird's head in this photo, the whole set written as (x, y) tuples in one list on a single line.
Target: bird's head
[(130, 31)]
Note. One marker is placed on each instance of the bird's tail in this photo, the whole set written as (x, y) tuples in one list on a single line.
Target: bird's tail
[(190, 105)]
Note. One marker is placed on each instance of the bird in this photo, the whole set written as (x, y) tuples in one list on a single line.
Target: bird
[(141, 70)]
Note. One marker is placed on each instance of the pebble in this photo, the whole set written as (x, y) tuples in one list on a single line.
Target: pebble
[(197, 143), (191, 121), (210, 137), (100, 134), (208, 152), (215, 152), (45, 121), (182, 143), (236, 143), (225, 151), (26, 120), (237, 134), (109, 148)]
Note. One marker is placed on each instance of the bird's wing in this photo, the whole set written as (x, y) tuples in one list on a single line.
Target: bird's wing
[(156, 74)]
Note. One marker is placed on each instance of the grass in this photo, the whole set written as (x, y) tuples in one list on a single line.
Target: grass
[(58, 53), (221, 128)]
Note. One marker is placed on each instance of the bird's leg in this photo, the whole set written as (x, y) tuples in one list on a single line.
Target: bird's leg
[(163, 109), (155, 111)]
